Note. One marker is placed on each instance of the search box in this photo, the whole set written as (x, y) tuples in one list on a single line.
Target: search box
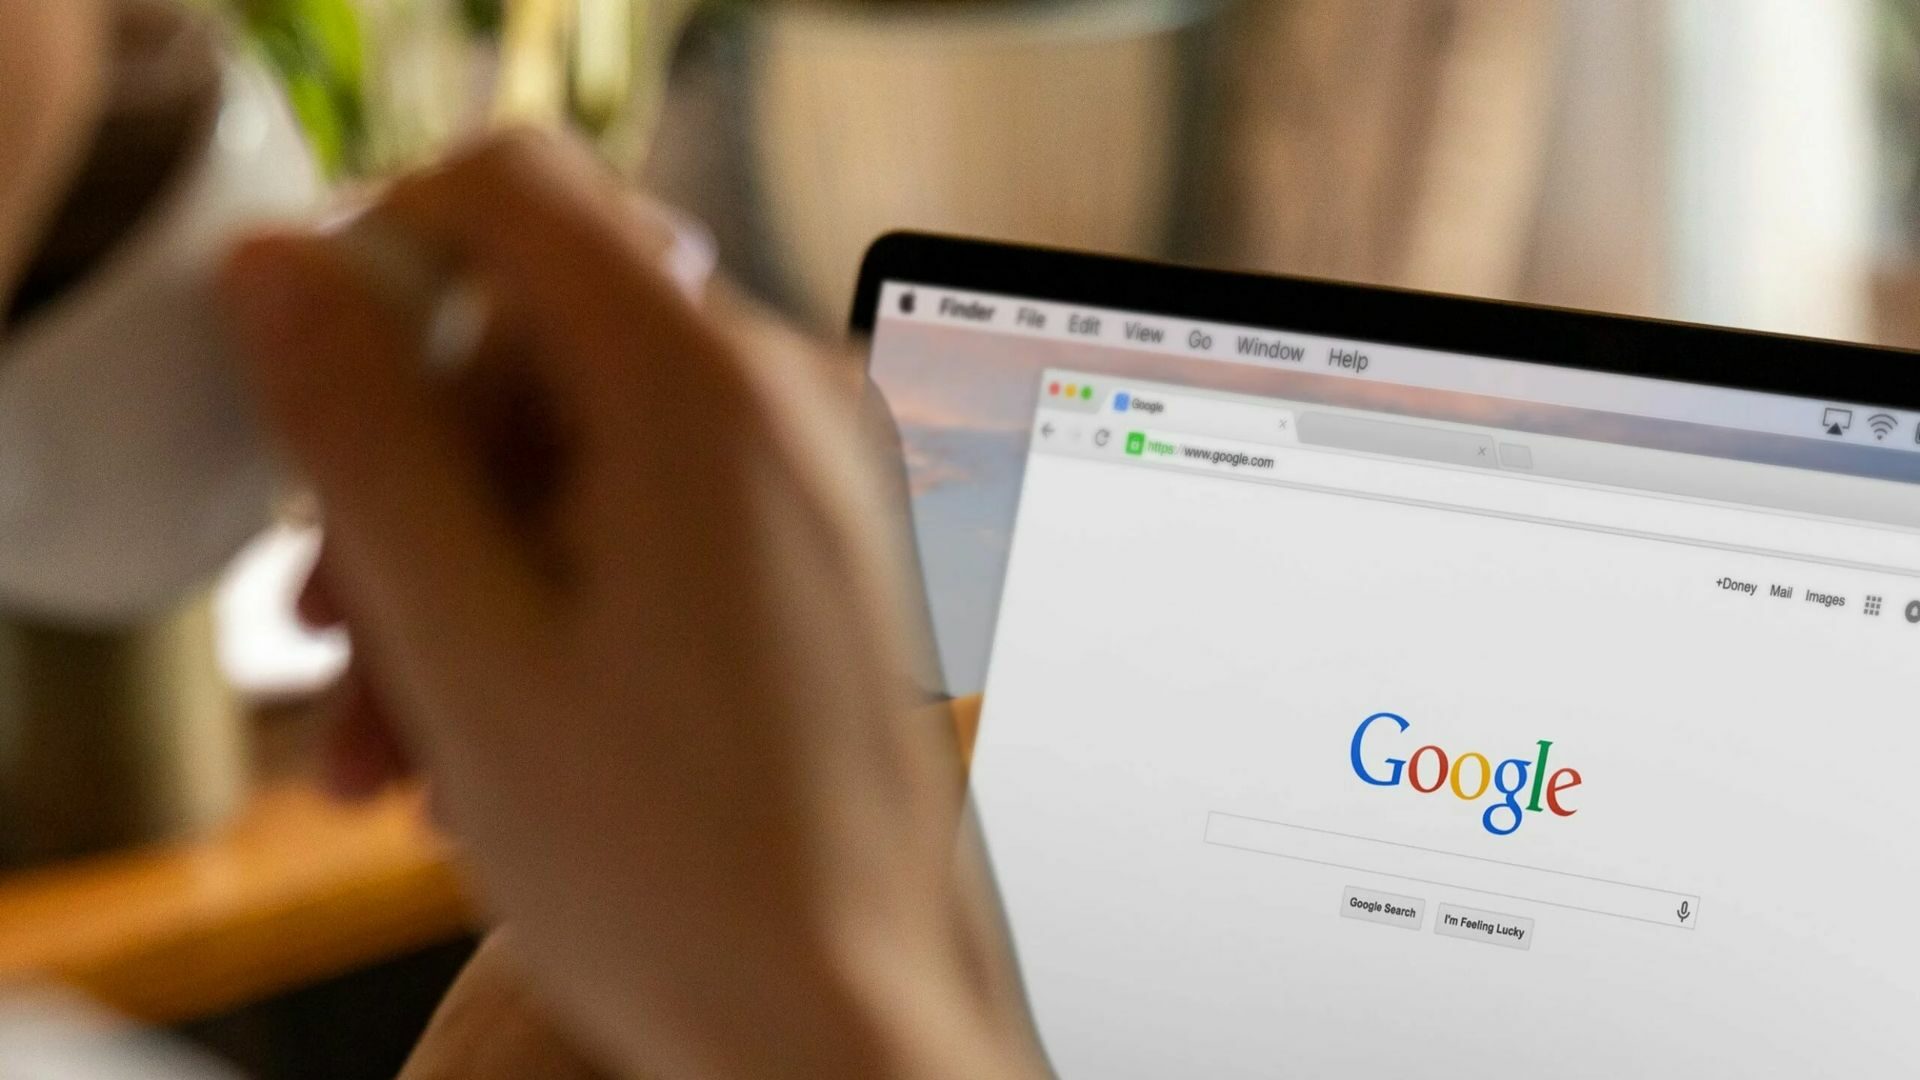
[(1451, 870)]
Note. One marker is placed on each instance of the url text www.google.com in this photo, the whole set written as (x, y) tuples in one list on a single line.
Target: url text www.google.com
[(1140, 444)]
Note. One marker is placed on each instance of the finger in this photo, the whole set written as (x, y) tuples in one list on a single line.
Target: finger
[(414, 537), (532, 197), (316, 606), (575, 264), (364, 754)]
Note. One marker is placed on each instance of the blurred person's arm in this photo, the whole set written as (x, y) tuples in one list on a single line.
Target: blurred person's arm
[(490, 1027), (633, 593), (52, 56)]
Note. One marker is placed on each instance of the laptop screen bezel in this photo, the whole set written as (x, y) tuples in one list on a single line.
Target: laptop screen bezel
[(1557, 337)]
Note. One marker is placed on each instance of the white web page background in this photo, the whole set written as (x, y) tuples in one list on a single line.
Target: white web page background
[(1172, 644)]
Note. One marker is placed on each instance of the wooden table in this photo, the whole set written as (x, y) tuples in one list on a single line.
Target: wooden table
[(297, 890)]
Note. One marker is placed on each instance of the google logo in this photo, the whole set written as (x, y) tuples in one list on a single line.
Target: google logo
[(1468, 775)]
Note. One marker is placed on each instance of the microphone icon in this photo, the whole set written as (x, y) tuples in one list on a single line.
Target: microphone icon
[(1686, 911)]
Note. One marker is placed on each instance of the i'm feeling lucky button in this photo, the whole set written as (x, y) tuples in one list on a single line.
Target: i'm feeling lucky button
[(1511, 931)]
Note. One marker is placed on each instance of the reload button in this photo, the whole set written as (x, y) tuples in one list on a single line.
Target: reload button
[(1386, 908)]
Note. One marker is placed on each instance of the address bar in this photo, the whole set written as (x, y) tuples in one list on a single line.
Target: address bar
[(1507, 494)]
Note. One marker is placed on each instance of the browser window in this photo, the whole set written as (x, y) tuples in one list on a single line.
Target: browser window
[(1352, 711)]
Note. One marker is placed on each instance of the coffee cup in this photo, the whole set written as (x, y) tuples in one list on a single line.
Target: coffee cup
[(131, 469)]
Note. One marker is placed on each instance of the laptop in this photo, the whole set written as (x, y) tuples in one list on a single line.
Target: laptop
[(1378, 683)]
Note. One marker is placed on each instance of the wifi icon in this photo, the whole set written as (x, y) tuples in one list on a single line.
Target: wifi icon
[(1882, 425)]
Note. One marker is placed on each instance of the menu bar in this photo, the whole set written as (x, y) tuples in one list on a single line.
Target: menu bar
[(1264, 347)]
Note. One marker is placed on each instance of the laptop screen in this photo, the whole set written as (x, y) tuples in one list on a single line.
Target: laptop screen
[(1360, 709)]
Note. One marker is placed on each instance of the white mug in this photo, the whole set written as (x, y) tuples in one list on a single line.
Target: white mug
[(130, 467)]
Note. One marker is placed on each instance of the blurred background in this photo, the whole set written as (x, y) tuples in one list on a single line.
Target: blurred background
[(1739, 161), (1748, 162)]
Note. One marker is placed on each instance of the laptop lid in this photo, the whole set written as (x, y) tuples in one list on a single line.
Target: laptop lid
[(1379, 682)]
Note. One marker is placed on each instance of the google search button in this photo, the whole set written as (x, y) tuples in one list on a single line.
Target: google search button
[(1381, 907)]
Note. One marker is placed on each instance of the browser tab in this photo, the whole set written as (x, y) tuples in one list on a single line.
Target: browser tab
[(1146, 405)]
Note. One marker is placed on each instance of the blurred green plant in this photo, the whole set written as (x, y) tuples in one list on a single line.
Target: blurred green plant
[(376, 83), (317, 49), (483, 16), (379, 84)]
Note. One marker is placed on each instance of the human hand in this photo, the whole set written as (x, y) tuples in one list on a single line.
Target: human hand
[(360, 753), (490, 1028), (653, 651)]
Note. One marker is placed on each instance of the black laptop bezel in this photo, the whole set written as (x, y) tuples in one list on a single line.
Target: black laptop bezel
[(1814, 368)]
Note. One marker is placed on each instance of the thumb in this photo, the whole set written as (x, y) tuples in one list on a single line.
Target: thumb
[(417, 543)]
